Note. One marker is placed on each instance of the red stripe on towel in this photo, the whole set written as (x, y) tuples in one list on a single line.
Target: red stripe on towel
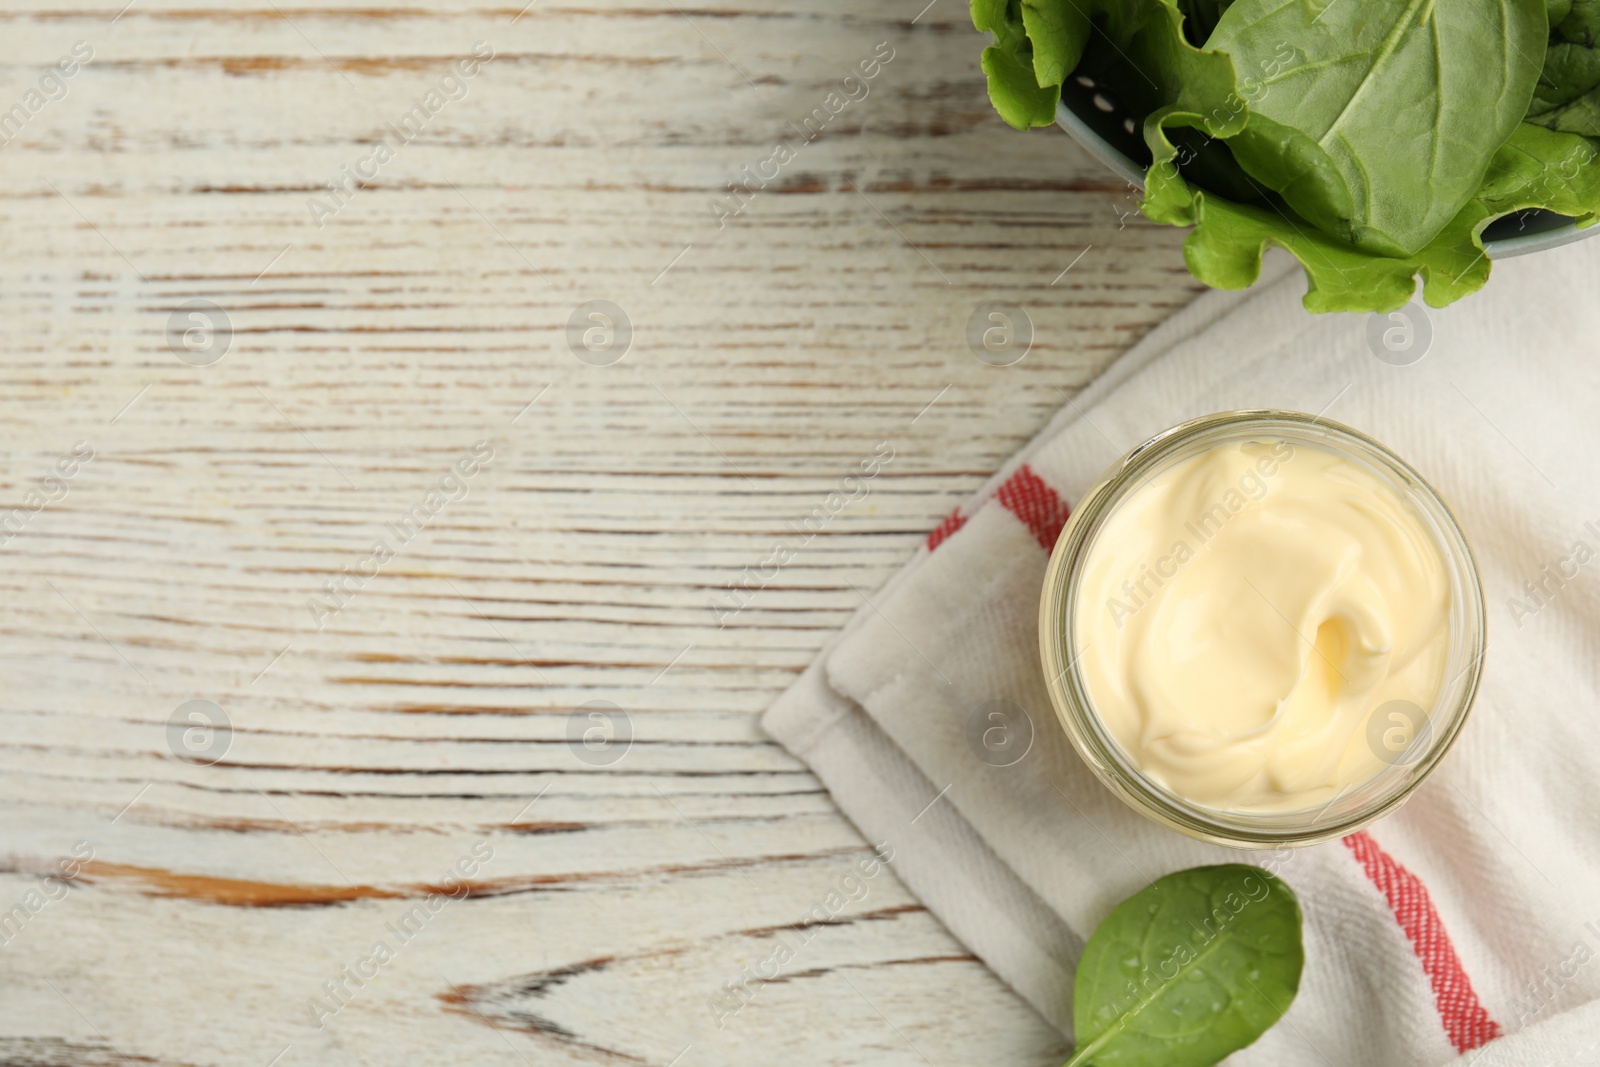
[(950, 525), (1466, 1021), (1040, 507)]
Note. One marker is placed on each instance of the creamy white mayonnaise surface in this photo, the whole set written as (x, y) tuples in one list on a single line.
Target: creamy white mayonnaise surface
[(1243, 614)]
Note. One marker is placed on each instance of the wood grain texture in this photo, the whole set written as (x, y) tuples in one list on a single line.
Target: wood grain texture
[(174, 912)]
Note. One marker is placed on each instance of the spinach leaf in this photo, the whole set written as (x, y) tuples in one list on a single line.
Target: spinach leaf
[(1580, 116), (1570, 70), (1581, 25), (1189, 969), (1381, 122), (1568, 94), (1350, 141)]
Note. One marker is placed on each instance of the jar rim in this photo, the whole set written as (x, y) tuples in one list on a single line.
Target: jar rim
[(1105, 757)]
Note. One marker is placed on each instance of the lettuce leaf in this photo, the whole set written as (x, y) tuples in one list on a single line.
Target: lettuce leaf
[(1037, 43), (1200, 18), (1059, 32), (1200, 111), (1008, 65), (1020, 100), (1193, 80), (1535, 168), (1225, 248)]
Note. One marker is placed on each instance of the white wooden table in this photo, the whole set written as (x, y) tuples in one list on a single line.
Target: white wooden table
[(220, 883)]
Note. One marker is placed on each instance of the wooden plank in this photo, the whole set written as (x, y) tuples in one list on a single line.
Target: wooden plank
[(375, 745)]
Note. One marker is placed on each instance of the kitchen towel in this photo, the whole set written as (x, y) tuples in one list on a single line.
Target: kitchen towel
[(1462, 929)]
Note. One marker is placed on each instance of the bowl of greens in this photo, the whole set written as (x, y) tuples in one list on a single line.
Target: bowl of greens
[(1377, 141)]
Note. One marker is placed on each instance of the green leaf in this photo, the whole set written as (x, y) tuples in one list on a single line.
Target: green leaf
[(1536, 168), (1013, 91), (1229, 238), (1200, 18), (1200, 81), (1141, 55), (1570, 70), (1377, 120), (1188, 970), (1038, 44), (989, 16), (1058, 30), (1580, 116), (1556, 10), (1582, 23), (1567, 97), (1289, 193), (1543, 168)]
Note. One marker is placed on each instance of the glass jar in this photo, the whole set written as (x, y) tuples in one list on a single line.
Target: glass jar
[(1355, 807)]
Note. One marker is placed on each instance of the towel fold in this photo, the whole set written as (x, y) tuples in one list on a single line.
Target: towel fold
[(1465, 927)]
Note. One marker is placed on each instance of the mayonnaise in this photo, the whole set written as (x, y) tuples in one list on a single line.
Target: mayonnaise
[(1242, 616)]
